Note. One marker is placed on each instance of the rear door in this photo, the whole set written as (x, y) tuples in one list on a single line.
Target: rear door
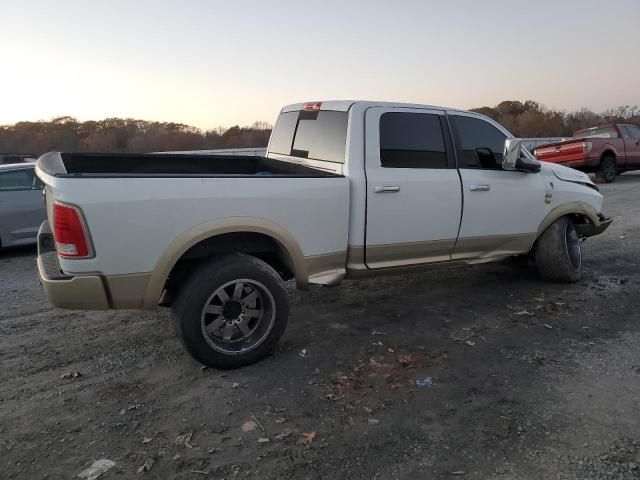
[(502, 208), (414, 202), (632, 145), (22, 207)]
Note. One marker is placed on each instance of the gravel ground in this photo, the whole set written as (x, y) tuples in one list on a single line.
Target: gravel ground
[(529, 380)]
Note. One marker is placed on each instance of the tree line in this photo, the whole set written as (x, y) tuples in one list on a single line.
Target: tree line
[(124, 135), (531, 119), (523, 119)]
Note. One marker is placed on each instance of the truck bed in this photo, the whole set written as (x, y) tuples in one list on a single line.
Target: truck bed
[(174, 165), (137, 206)]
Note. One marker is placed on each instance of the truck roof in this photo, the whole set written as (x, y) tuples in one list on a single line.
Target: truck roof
[(604, 125), (16, 166), (345, 105)]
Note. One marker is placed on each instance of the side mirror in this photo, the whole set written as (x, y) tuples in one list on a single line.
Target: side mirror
[(525, 164), (512, 158)]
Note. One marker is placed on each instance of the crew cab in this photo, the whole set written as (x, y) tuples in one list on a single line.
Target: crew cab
[(606, 150), (347, 189)]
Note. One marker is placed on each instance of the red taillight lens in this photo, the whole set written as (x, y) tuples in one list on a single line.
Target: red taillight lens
[(69, 232)]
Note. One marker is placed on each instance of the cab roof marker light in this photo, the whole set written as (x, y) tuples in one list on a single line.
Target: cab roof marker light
[(312, 106)]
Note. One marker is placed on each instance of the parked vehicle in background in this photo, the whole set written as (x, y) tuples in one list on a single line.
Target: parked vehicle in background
[(606, 150), (22, 207), (532, 143), (347, 190)]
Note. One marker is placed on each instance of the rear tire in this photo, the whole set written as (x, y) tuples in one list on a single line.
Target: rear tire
[(231, 311), (558, 252), (607, 170)]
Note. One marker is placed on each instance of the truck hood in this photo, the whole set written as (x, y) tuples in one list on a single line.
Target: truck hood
[(567, 174)]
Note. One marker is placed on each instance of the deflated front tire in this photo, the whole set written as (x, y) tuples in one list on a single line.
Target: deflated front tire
[(558, 252)]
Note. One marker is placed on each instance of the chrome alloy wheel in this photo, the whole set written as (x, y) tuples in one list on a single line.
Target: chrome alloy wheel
[(573, 246), (238, 316)]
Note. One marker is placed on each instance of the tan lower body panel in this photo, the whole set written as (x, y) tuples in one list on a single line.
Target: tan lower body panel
[(401, 254), (412, 255), (492, 247), (127, 291), (328, 269), (77, 293)]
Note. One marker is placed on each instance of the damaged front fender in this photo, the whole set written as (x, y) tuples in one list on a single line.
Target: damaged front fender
[(595, 228)]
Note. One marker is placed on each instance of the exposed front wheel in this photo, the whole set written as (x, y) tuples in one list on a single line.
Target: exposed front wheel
[(607, 170), (231, 311), (558, 252)]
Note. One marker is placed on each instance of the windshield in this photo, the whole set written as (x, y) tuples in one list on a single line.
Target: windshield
[(316, 135), (598, 132)]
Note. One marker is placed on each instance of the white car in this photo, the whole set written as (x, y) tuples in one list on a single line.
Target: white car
[(347, 189)]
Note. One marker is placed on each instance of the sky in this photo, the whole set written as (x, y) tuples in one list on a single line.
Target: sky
[(211, 63)]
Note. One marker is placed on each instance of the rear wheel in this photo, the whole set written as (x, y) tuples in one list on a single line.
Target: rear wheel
[(558, 252), (231, 311), (607, 170)]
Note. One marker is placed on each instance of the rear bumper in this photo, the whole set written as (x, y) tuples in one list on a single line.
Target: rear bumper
[(596, 228), (86, 292)]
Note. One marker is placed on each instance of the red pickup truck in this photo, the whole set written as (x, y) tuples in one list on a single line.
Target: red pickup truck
[(606, 150)]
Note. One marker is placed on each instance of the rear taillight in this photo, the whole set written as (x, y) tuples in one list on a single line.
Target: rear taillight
[(69, 232), (586, 147)]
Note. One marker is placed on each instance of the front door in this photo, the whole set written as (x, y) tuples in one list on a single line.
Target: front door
[(414, 202), (502, 208)]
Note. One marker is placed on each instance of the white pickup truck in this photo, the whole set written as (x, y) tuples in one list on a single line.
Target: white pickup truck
[(347, 189)]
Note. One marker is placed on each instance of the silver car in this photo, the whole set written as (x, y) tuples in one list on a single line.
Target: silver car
[(22, 207)]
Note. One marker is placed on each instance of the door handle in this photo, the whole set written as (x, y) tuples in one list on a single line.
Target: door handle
[(479, 188), (386, 188)]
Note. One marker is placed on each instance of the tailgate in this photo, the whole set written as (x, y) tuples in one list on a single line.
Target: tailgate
[(562, 152)]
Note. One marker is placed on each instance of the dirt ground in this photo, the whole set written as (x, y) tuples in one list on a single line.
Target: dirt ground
[(529, 380)]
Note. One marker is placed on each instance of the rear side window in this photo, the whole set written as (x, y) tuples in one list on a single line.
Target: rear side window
[(597, 132), (623, 130), (411, 140), (317, 135), (24, 179), (480, 144), (634, 131)]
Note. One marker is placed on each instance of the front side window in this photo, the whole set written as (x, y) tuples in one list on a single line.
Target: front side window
[(411, 140), (24, 179), (480, 144)]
